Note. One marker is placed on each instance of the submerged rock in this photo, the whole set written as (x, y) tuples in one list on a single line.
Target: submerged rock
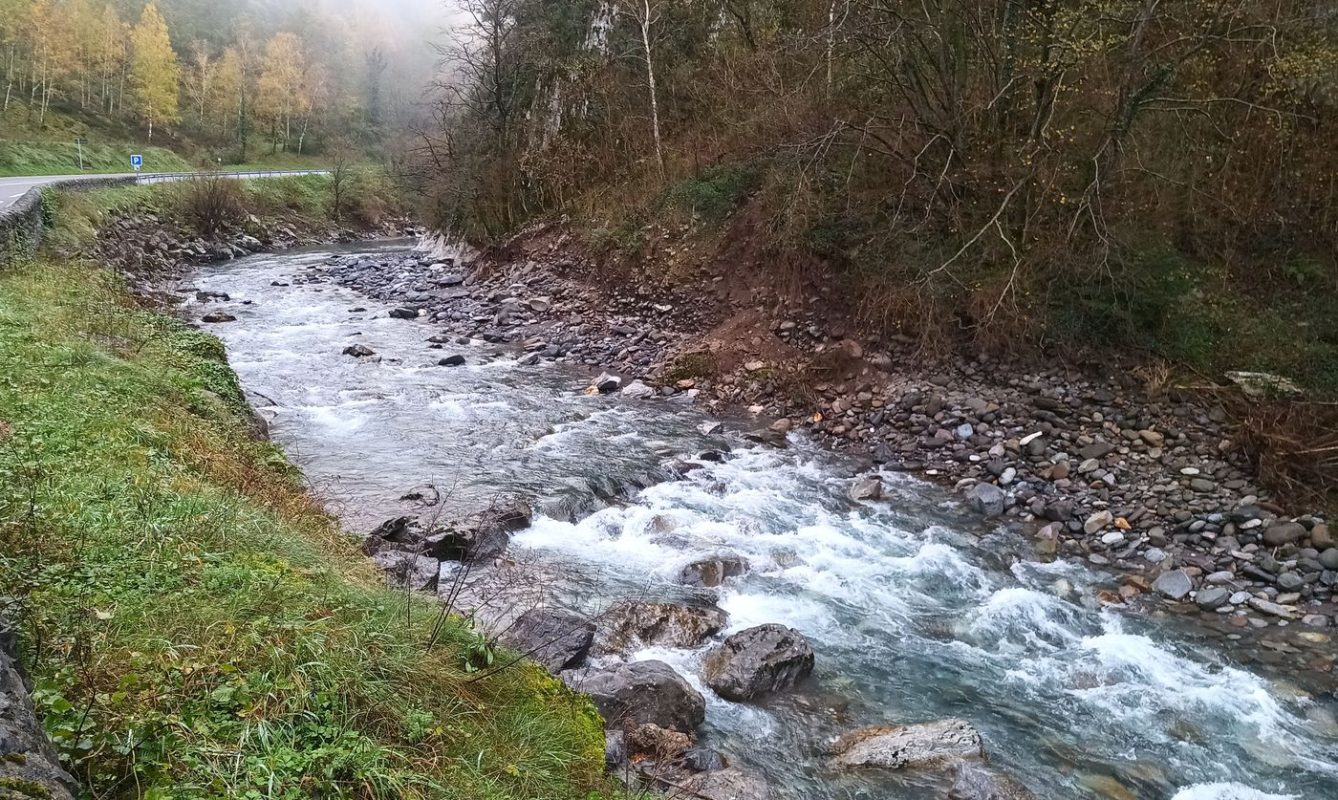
[(359, 351), (218, 316), (639, 693), (553, 638), (756, 661), (635, 623), (928, 744), (728, 784), (975, 782)]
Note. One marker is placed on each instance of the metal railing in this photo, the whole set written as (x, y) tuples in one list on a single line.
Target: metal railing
[(164, 177)]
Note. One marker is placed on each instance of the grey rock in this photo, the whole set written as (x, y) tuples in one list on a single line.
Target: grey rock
[(456, 360), (1268, 607), (925, 745), (359, 351), (632, 624), (1280, 533), (27, 758), (1329, 558), (218, 316), (1097, 450), (636, 390), (606, 383), (639, 693), (1175, 584), (404, 313), (1212, 598), (867, 489), (553, 638), (985, 498), (409, 570), (757, 661), (1290, 582)]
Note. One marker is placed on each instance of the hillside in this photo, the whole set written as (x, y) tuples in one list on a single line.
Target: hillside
[(1152, 179)]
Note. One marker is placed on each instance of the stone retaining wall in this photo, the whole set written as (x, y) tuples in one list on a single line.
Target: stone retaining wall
[(21, 224)]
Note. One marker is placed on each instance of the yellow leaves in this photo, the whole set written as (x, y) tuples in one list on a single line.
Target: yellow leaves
[(154, 71)]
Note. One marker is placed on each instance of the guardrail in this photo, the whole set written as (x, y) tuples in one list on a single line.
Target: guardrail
[(164, 177), (21, 223)]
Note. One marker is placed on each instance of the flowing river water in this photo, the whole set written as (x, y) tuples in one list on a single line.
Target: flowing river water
[(915, 610)]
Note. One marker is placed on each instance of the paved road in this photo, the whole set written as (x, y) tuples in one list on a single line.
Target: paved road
[(11, 189)]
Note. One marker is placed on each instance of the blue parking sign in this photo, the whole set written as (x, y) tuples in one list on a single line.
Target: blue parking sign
[(137, 161)]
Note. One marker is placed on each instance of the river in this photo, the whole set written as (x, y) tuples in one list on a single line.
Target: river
[(916, 611)]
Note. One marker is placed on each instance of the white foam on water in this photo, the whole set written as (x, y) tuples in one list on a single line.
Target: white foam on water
[(1227, 791), (748, 609), (1017, 620), (335, 420)]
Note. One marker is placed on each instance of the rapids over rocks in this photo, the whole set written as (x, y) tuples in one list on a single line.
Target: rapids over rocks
[(916, 611)]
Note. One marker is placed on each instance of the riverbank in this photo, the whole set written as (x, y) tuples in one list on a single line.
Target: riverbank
[(1099, 462), (663, 542), (192, 623)]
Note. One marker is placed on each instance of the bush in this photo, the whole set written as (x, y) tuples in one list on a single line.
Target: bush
[(213, 204)]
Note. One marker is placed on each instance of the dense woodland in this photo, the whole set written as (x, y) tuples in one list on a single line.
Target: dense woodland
[(1010, 170), (290, 76)]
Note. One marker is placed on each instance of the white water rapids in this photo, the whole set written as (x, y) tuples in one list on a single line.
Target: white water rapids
[(916, 611)]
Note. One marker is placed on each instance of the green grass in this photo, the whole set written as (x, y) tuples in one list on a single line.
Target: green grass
[(195, 626), (714, 193), (62, 158)]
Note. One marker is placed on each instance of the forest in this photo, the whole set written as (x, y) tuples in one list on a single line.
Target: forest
[(1151, 173), (236, 79)]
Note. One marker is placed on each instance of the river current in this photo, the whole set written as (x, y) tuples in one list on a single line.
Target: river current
[(916, 611)]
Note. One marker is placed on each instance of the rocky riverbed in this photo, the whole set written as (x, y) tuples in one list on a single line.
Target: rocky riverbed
[(1088, 466)]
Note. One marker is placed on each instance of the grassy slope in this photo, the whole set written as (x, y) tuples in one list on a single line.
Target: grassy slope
[(195, 626), (27, 148)]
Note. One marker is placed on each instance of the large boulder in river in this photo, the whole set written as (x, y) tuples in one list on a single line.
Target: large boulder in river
[(713, 571), (397, 533), (631, 624), (926, 745), (639, 693), (753, 662), (482, 538), (728, 784), (554, 638)]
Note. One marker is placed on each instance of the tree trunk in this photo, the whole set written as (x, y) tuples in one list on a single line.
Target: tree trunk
[(650, 80)]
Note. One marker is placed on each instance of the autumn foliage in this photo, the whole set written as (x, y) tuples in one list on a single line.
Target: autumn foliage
[(1005, 172)]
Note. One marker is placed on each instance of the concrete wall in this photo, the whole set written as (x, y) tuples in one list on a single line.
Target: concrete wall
[(21, 225)]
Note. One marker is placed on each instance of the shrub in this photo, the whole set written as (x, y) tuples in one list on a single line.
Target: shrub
[(214, 203)]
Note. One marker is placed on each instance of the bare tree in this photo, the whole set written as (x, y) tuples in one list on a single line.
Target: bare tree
[(647, 15)]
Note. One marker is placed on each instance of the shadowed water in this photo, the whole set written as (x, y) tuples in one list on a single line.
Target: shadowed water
[(915, 612)]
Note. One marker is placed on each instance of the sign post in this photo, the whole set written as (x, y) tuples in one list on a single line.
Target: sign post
[(137, 162)]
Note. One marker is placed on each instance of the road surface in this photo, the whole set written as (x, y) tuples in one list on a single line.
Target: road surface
[(11, 189)]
